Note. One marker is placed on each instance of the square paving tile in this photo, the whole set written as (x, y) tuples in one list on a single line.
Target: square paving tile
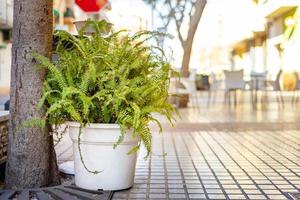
[(236, 164)]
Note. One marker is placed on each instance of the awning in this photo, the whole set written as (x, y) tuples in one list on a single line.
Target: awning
[(276, 8)]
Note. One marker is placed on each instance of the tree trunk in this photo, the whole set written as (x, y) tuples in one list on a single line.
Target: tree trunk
[(188, 43), (31, 156)]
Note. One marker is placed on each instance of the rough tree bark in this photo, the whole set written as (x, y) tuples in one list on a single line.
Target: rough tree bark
[(31, 156), (187, 44)]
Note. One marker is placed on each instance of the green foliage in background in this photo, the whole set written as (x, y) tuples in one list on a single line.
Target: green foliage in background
[(107, 78), (289, 29)]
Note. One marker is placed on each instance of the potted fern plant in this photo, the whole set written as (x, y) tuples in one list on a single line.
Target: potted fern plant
[(105, 87)]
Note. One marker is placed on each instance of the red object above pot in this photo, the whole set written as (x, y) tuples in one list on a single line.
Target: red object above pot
[(91, 5)]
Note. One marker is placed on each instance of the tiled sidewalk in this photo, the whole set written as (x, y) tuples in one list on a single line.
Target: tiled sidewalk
[(220, 152), (216, 164)]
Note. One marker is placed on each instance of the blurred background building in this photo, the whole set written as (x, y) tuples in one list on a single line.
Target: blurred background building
[(274, 46)]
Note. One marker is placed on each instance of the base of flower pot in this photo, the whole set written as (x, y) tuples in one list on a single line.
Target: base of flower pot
[(181, 101), (67, 168)]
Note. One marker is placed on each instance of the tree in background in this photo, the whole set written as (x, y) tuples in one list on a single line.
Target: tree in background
[(31, 156), (184, 13)]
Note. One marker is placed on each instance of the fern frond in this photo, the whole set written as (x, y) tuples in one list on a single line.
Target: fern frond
[(134, 149), (136, 118), (146, 137), (55, 72), (89, 78), (44, 97)]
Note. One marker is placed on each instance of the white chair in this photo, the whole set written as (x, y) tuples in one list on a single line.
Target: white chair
[(190, 84), (258, 80), (176, 91), (258, 83), (275, 86), (215, 85), (234, 81)]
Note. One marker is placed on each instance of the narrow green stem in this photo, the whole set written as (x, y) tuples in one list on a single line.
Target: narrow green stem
[(80, 153)]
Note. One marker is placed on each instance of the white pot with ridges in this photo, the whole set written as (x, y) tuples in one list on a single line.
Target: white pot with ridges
[(116, 168)]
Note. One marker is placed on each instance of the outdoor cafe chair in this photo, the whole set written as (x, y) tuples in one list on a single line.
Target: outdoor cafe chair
[(176, 91), (234, 81), (275, 87), (258, 83), (184, 86), (190, 84), (215, 85)]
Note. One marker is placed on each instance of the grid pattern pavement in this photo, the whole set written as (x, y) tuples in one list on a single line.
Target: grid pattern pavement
[(219, 164)]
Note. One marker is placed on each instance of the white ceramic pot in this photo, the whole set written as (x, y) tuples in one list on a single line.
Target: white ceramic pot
[(96, 144)]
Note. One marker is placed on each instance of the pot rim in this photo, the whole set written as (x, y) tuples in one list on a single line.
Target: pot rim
[(94, 125)]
